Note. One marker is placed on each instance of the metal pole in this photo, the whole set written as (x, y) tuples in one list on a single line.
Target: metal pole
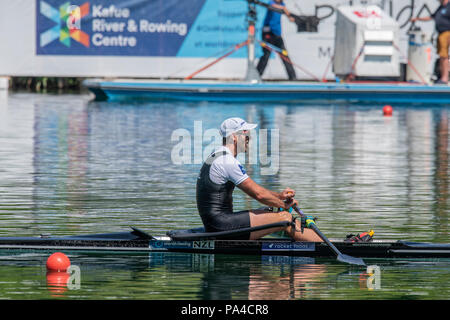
[(252, 73)]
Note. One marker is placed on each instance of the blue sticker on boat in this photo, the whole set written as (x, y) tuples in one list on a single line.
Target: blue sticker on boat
[(288, 246), (166, 245)]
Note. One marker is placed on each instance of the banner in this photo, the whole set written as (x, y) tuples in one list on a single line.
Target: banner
[(118, 28), (170, 38)]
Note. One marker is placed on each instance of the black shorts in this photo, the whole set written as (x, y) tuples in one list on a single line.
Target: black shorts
[(227, 221)]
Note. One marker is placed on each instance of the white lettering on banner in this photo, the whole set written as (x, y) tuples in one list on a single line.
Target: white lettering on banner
[(163, 27), (110, 12), (100, 25), (99, 39)]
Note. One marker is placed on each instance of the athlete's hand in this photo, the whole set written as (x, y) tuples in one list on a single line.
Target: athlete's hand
[(290, 203), (287, 194)]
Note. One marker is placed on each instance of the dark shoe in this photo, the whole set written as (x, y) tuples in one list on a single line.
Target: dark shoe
[(441, 82), (361, 237)]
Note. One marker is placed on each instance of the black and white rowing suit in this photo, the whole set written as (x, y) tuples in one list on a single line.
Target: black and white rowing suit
[(220, 173)]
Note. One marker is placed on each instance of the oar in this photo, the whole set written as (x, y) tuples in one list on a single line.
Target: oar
[(340, 256)]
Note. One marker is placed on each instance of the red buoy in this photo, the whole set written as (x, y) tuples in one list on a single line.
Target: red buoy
[(58, 262), (387, 110)]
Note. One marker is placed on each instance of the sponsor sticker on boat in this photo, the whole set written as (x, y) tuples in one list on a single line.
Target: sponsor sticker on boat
[(161, 245), (203, 245), (288, 246), (166, 245)]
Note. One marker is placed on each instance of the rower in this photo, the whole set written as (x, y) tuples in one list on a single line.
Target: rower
[(218, 177)]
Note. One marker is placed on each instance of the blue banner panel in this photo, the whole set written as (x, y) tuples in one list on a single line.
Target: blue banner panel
[(114, 27), (221, 25)]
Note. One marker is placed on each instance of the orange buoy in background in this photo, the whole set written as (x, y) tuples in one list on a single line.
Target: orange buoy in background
[(387, 110), (58, 262)]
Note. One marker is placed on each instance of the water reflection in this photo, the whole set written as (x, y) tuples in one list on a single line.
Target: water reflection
[(60, 161), (286, 281), (198, 276), (252, 278), (68, 165), (441, 174), (186, 276)]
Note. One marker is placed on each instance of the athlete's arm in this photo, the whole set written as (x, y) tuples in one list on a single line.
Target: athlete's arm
[(266, 197)]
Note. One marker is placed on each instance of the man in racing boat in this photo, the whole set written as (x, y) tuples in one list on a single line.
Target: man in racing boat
[(218, 177)]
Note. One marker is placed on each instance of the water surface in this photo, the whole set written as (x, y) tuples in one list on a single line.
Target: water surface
[(71, 166)]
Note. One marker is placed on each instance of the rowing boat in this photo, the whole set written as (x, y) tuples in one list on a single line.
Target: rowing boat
[(137, 241)]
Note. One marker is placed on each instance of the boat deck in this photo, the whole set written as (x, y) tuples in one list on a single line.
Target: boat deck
[(133, 242)]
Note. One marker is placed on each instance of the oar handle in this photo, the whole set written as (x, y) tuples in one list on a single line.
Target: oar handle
[(316, 229), (298, 210)]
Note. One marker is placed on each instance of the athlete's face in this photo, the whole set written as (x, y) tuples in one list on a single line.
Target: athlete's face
[(242, 141)]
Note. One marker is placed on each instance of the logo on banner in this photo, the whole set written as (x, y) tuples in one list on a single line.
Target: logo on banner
[(67, 19)]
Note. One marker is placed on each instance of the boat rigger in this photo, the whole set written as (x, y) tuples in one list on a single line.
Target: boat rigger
[(197, 241)]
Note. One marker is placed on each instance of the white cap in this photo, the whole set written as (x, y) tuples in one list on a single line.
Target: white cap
[(233, 125)]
